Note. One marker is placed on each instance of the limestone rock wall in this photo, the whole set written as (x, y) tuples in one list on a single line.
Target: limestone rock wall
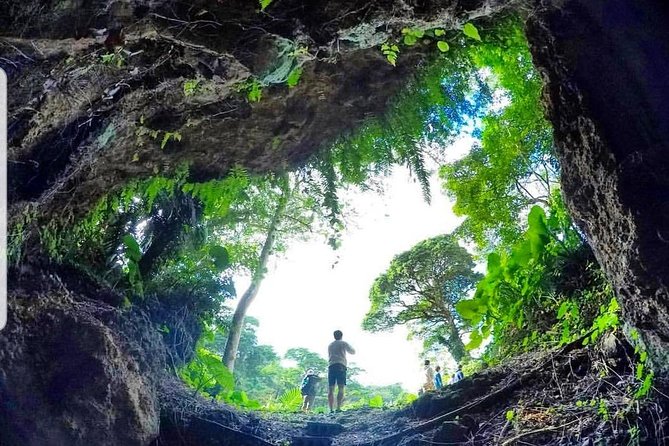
[(606, 73)]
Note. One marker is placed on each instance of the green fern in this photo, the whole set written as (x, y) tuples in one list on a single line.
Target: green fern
[(291, 400)]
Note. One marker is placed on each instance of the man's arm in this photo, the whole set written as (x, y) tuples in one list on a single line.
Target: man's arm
[(350, 349)]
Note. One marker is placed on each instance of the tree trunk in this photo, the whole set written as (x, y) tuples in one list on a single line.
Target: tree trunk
[(605, 65), (455, 345), (232, 344)]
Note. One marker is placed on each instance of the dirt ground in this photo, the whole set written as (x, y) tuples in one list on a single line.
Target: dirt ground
[(569, 396)]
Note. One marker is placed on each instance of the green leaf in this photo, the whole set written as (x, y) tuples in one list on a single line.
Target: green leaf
[(469, 310), (439, 32), (443, 46), (133, 251), (410, 40), (291, 399), (471, 32), (509, 415), (475, 340), (255, 92), (238, 397), (563, 309), (264, 4), (221, 257), (376, 402), (537, 221), (166, 138), (219, 371), (294, 77)]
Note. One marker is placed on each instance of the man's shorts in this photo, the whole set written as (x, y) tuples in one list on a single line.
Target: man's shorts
[(337, 375)]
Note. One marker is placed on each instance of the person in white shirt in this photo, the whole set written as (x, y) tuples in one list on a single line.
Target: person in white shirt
[(337, 369), (457, 376), (429, 377)]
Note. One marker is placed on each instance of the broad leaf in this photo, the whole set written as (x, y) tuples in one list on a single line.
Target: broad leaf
[(471, 32), (133, 251)]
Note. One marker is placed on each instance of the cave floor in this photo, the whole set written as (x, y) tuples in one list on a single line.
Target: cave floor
[(573, 395)]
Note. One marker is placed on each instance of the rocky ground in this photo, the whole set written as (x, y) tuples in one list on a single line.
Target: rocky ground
[(569, 396), (110, 384)]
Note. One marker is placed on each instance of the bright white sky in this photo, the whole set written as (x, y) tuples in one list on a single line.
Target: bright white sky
[(312, 290)]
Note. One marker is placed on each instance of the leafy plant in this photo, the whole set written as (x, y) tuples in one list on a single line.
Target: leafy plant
[(294, 77), (391, 51), (411, 36), (191, 86), (291, 400), (175, 136), (264, 4), (133, 255), (115, 58), (376, 402), (470, 31), (523, 301), (642, 373), (254, 92)]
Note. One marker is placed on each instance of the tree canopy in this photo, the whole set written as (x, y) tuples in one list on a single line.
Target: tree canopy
[(420, 289)]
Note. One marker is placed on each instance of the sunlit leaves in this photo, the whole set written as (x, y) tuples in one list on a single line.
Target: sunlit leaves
[(254, 93), (443, 46), (391, 51), (512, 167), (376, 402), (470, 31), (294, 77), (522, 300), (191, 86), (411, 36)]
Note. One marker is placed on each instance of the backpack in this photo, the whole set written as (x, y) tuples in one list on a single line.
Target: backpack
[(308, 384)]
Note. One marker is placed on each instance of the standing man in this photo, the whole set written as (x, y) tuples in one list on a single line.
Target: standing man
[(429, 377), (337, 369)]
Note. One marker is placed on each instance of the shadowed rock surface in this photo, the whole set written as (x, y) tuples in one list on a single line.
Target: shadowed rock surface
[(606, 72)]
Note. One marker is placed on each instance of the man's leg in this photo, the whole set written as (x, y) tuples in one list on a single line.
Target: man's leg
[(331, 397), (310, 401), (340, 395), (305, 403)]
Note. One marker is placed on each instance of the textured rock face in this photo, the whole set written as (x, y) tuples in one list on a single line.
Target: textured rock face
[(77, 372), (82, 125), (606, 73)]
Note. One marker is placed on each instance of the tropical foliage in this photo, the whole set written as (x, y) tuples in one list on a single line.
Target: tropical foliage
[(264, 380), (546, 290), (174, 240), (421, 288)]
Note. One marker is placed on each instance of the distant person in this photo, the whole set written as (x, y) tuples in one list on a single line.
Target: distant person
[(429, 376), (457, 376), (337, 369), (308, 389), (438, 384)]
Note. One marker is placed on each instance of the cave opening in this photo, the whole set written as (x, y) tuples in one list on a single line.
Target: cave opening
[(218, 152)]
